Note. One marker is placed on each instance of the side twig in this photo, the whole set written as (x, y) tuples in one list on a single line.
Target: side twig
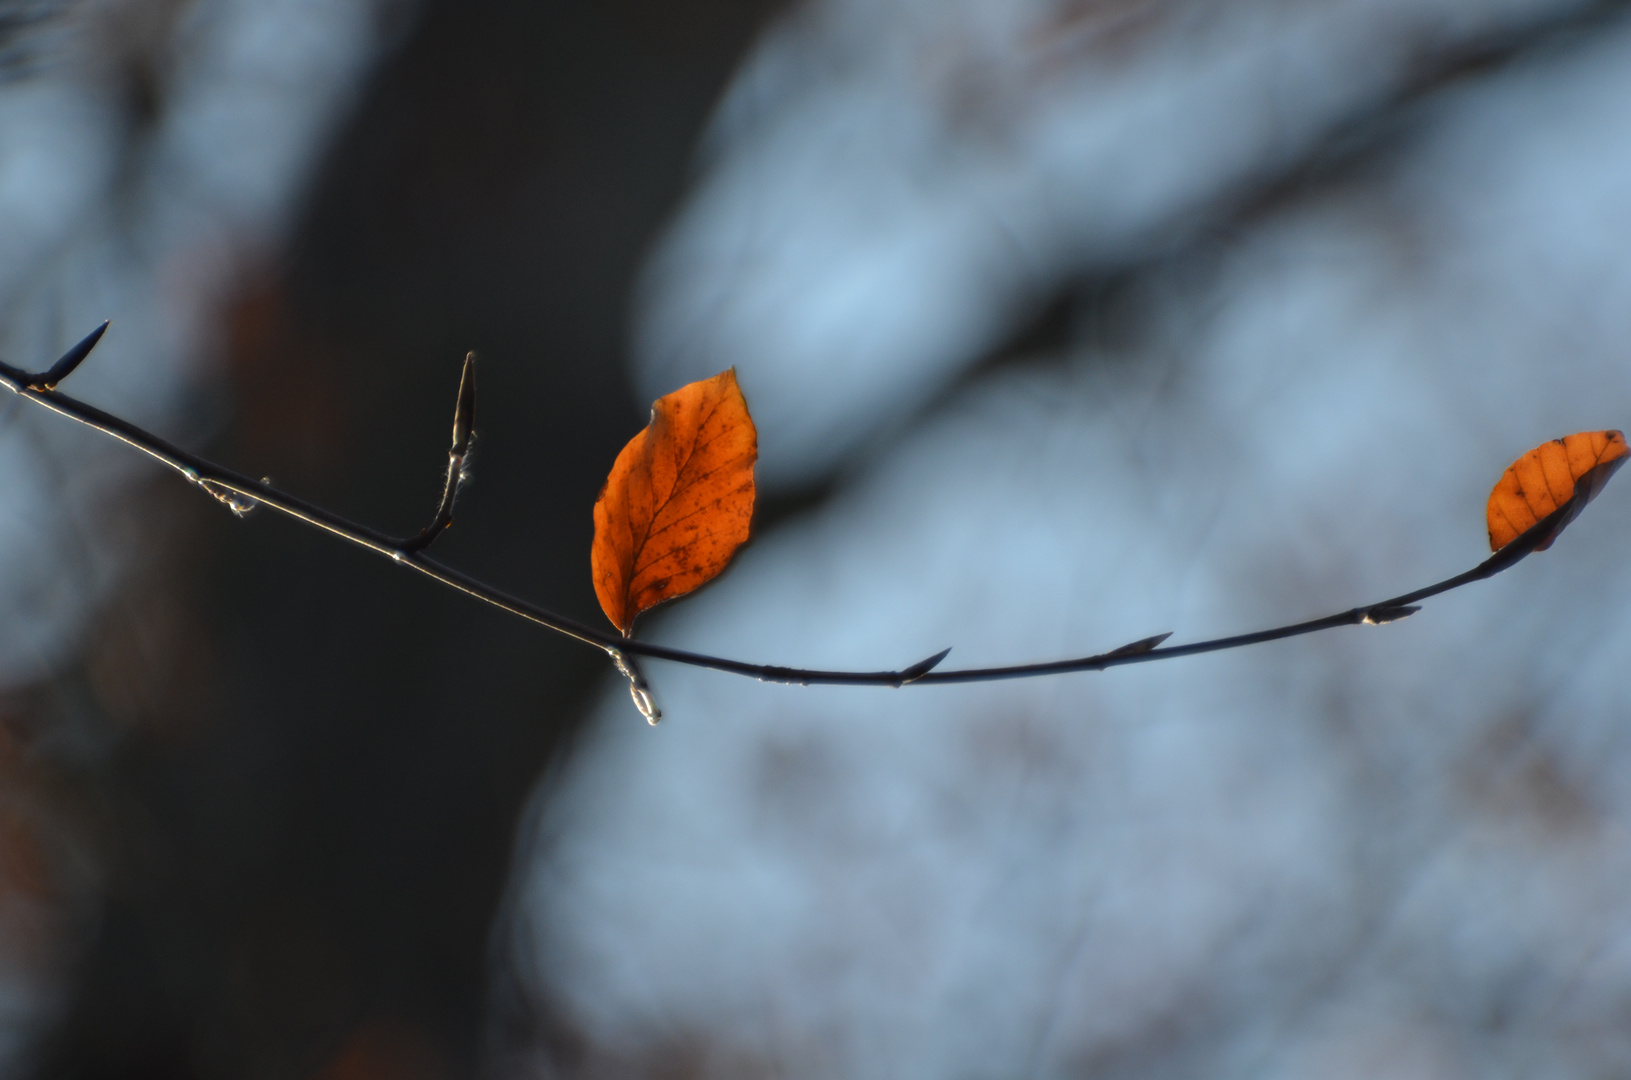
[(458, 457), (239, 493)]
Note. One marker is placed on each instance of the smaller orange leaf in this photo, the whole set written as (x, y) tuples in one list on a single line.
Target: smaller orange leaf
[(678, 501), (1562, 475)]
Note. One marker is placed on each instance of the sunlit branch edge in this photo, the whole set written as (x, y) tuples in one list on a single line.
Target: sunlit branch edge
[(240, 492)]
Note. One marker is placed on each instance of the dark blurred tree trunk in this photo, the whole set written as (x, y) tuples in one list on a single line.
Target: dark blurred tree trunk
[(309, 821)]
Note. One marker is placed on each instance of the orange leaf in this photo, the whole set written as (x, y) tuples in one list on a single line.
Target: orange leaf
[(678, 501), (1562, 475)]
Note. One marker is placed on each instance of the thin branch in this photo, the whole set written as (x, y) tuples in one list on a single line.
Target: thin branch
[(240, 492)]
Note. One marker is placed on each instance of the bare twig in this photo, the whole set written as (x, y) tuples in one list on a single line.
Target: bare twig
[(240, 492)]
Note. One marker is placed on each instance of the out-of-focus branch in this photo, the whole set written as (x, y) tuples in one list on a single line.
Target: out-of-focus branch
[(240, 493)]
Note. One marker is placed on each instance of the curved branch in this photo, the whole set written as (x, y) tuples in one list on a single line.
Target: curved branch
[(240, 492)]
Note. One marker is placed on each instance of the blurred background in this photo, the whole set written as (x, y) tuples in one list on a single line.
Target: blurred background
[(1065, 322)]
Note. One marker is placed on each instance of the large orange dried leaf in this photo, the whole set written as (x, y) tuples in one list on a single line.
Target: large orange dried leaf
[(678, 501), (1564, 474)]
